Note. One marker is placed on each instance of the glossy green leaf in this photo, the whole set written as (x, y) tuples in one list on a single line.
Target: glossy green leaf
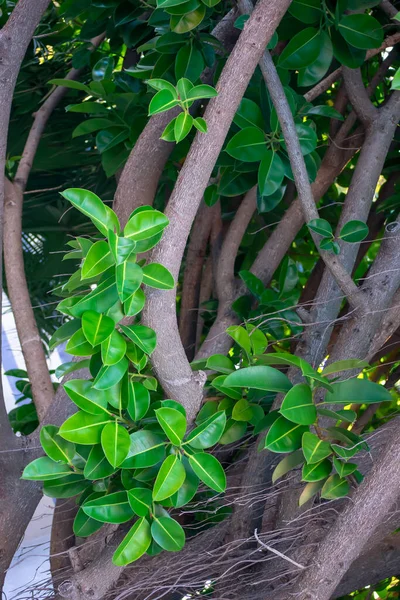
[(310, 490), (97, 465), (291, 461), (315, 71), (182, 126), (335, 487), (248, 115), (209, 470), (134, 544), (317, 471), (242, 411), (83, 525), (65, 487), (188, 489), (361, 31), (90, 205), (169, 479), (260, 378), (83, 394), (140, 500), (284, 436), (96, 327), (145, 224), (320, 226), (184, 23), (121, 248), (202, 91), (220, 363), (138, 400), (110, 375), (83, 428), (142, 336), (307, 138), (146, 449), (345, 53), (344, 415), (298, 405), (55, 446), (344, 469), (162, 101), (135, 303), (345, 365), (241, 337), (129, 277), (113, 349), (64, 333), (248, 145), (173, 424), (315, 449), (157, 276), (168, 534), (234, 431), (219, 384), (302, 49), (358, 391), (307, 11), (270, 173), (44, 468), (103, 297), (70, 367), (201, 126), (112, 508), (354, 231), (209, 432), (115, 442), (78, 345)]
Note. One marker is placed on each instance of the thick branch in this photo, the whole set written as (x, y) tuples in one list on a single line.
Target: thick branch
[(172, 368), (358, 96)]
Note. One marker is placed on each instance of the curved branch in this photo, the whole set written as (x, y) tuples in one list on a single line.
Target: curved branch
[(358, 96), (172, 368)]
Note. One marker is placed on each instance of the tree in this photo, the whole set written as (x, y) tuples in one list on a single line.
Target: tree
[(231, 294)]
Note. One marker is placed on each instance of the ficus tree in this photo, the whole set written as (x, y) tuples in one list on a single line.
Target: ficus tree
[(201, 204)]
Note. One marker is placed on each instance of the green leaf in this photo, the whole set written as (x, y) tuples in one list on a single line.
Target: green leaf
[(113, 349), (115, 442), (138, 400), (234, 431), (335, 487), (241, 337), (347, 453), (201, 126), (343, 415), (323, 111), (78, 345), (168, 534), (248, 145), (307, 11), (90, 108), (83, 428), (208, 433), (344, 469), (90, 205), (97, 465), (173, 424), (182, 126), (96, 327), (187, 22), (315, 449), (110, 375), (209, 470), (157, 276), (345, 365), (70, 83), (98, 260), (103, 297), (354, 231), (361, 31), (298, 406), (346, 54), (135, 303), (220, 363), (307, 138), (62, 334), (83, 525), (317, 471), (219, 384), (140, 500), (302, 50), (287, 464), (129, 277), (86, 397), (55, 447), (270, 173), (358, 391), (169, 479), (121, 247), (309, 491), (112, 508), (259, 378), (162, 101), (44, 468), (147, 449), (202, 91), (249, 115), (134, 544), (144, 225), (65, 487), (396, 81), (284, 436), (320, 226), (142, 336), (70, 367), (242, 411), (317, 69)]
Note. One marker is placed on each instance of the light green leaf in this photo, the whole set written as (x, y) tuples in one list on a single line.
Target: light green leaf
[(317, 471), (209, 432), (84, 428), (86, 397), (96, 327), (157, 276), (345, 365), (138, 400), (173, 424), (169, 479), (335, 487), (298, 406), (98, 260), (115, 442), (55, 446), (259, 378), (144, 225), (134, 544), (135, 303), (140, 500), (287, 464), (146, 449), (284, 436), (359, 391), (162, 101), (97, 466), (44, 468), (315, 449), (129, 277), (168, 534), (90, 205), (209, 470), (110, 375), (142, 336), (112, 508), (113, 349)]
